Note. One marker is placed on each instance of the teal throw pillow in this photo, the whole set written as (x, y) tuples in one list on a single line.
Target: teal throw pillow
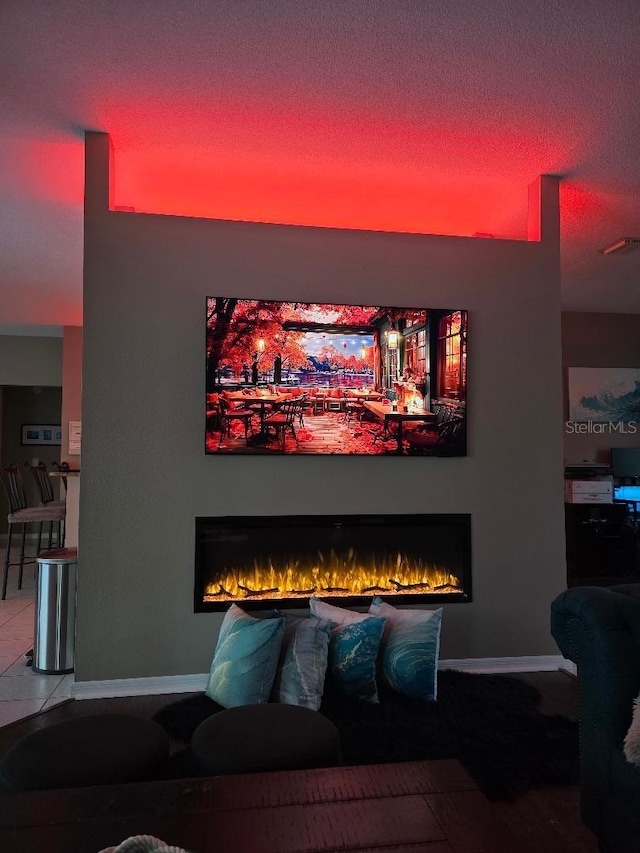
[(410, 649), (303, 662), (245, 660), (353, 650)]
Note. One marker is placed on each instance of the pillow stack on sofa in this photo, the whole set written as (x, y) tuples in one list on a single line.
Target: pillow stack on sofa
[(287, 658)]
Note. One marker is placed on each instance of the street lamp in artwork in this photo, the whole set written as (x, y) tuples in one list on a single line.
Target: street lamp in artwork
[(260, 347)]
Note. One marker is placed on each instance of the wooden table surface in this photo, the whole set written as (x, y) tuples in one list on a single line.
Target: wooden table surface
[(386, 413), (359, 394), (411, 807)]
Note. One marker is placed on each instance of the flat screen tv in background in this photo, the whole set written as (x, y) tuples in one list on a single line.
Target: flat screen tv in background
[(625, 461), (334, 379)]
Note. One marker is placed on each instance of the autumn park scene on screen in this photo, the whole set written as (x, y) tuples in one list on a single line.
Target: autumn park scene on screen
[(321, 378)]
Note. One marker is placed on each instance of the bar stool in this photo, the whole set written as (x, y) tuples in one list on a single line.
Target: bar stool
[(20, 513), (44, 486)]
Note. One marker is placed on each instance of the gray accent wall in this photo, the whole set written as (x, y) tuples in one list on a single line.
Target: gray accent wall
[(145, 476), (30, 360)]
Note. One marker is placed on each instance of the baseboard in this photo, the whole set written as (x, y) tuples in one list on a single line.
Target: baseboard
[(568, 667), (156, 686), (532, 663)]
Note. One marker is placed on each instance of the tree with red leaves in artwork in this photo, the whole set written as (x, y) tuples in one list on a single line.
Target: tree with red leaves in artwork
[(219, 316), (238, 329)]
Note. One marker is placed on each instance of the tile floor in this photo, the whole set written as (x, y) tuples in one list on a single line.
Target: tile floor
[(22, 691)]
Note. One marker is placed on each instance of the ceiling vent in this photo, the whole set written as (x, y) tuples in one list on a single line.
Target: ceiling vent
[(621, 245)]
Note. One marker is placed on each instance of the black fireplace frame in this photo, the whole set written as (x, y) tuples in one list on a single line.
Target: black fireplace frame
[(462, 522)]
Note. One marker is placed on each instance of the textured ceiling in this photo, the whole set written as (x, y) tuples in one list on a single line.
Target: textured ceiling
[(400, 115)]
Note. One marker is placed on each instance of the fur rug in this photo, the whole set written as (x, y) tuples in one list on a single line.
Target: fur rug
[(632, 738), (490, 723)]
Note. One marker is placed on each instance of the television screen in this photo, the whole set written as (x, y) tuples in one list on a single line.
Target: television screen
[(323, 378), (625, 461)]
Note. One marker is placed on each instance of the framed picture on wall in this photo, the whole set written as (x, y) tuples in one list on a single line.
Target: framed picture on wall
[(295, 378), (41, 434), (604, 394)]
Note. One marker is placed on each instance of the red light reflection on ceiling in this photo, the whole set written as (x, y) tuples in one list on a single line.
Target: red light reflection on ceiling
[(323, 167), (48, 170), (317, 167), (255, 189)]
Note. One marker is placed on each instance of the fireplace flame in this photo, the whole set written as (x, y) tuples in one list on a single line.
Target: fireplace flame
[(342, 575)]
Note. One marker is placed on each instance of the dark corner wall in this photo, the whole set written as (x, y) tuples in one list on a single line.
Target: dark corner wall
[(30, 393), (27, 405)]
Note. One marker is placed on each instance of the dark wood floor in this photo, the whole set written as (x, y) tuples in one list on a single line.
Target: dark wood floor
[(550, 817), (545, 819)]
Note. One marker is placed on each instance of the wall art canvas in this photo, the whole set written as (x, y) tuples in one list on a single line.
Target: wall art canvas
[(604, 394), (333, 379), (41, 434)]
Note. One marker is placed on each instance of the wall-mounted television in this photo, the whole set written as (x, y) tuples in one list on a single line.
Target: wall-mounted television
[(334, 379), (625, 461)]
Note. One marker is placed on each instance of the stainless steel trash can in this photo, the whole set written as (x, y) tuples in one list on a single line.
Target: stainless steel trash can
[(55, 612)]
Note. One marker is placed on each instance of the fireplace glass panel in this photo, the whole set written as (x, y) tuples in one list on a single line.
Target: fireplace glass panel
[(259, 561)]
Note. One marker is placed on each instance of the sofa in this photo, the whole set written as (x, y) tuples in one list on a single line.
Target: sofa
[(599, 629)]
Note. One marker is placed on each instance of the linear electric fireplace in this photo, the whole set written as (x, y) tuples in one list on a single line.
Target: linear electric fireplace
[(258, 561)]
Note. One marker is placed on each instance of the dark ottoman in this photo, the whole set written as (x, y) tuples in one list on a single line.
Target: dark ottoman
[(104, 749), (257, 738)]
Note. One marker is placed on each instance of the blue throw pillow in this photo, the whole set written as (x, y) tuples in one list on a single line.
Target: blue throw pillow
[(410, 649), (245, 660), (303, 662), (353, 650)]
